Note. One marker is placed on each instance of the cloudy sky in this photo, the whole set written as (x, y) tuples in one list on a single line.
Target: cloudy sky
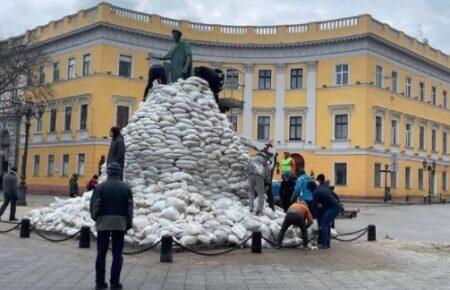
[(419, 18)]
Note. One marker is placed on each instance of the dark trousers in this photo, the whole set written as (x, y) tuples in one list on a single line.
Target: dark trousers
[(117, 238), (286, 191), (270, 199), (296, 220), (12, 211), (328, 216)]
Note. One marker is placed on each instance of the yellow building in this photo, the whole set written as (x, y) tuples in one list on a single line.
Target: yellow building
[(349, 95)]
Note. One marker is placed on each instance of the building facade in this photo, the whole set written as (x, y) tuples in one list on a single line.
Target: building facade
[(348, 95)]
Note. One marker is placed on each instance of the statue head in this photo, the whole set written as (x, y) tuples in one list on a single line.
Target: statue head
[(176, 35)]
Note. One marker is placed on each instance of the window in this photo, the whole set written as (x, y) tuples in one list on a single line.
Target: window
[(263, 128), (65, 165), (37, 163), (422, 91), (53, 120), (295, 128), (86, 64), (394, 81), (125, 66), (422, 138), (379, 76), (81, 163), (408, 87), (433, 96), (38, 125), (444, 99), (233, 121), (420, 178), (377, 175), (394, 132), (122, 116), (433, 140), (378, 129), (67, 118), (341, 74), (51, 165), (232, 78), (41, 75), (408, 135), (444, 142), (56, 71), (341, 127), (265, 80), (444, 180), (297, 78), (340, 173), (407, 177), (71, 68), (83, 116)]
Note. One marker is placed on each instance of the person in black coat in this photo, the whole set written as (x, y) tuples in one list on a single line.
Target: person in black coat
[(10, 193), (111, 208), (116, 149), (330, 209)]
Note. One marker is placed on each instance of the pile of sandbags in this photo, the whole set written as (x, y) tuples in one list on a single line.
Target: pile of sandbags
[(188, 173)]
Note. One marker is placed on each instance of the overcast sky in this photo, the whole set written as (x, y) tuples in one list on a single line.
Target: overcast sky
[(419, 18)]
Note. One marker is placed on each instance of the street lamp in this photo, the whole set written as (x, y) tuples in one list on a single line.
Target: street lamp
[(387, 190), (28, 110), (431, 168)]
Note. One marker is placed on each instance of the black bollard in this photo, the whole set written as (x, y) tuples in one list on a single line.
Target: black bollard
[(444, 200), (166, 249), (256, 242), (372, 233), (85, 237), (407, 197), (25, 226)]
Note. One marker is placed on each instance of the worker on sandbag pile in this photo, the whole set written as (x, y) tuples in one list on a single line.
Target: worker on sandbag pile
[(155, 73), (298, 214), (116, 149), (287, 180), (301, 189), (258, 176), (330, 208), (111, 208)]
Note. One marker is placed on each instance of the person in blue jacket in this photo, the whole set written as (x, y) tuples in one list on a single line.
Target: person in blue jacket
[(329, 210), (301, 189)]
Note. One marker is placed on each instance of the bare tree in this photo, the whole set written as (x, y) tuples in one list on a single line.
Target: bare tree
[(21, 78)]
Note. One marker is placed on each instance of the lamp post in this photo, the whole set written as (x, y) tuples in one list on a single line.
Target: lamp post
[(431, 168), (387, 192), (27, 110)]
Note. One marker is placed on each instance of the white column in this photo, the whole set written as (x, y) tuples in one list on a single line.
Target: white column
[(279, 105), (311, 104), (247, 119)]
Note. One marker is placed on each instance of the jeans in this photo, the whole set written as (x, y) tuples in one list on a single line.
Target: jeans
[(328, 216), (117, 238), (256, 184), (12, 211), (297, 220)]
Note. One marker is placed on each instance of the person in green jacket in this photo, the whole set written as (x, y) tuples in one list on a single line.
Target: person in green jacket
[(73, 185)]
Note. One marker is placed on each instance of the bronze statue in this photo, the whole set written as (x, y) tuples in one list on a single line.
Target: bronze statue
[(180, 56)]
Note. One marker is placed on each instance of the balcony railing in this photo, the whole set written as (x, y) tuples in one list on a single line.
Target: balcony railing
[(338, 23), (129, 14)]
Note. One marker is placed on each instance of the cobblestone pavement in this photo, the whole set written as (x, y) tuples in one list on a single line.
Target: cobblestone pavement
[(37, 264), (418, 258)]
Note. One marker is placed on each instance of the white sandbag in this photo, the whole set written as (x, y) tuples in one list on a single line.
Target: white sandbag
[(188, 240), (170, 213)]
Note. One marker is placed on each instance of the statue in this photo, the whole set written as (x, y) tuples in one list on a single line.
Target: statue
[(180, 56)]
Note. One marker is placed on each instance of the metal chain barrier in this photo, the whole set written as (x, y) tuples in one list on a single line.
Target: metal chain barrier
[(54, 240), (10, 222), (354, 239), (353, 233), (10, 230), (142, 250), (212, 254)]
